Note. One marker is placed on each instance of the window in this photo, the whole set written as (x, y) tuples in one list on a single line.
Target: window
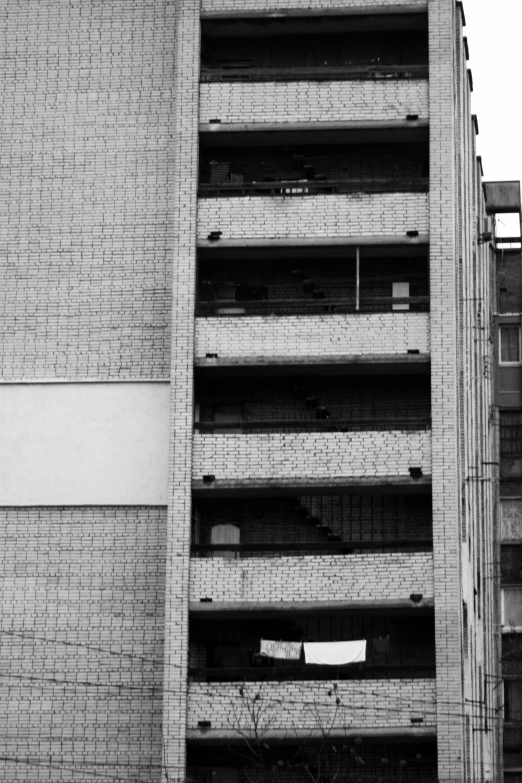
[(225, 534), (511, 518), (513, 700), (512, 607), (510, 433), (509, 344)]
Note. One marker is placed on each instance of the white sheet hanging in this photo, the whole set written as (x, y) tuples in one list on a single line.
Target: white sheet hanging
[(335, 653)]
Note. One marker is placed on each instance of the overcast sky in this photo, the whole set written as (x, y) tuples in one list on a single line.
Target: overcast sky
[(493, 29)]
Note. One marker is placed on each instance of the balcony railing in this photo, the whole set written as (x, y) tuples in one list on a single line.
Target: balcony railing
[(300, 673), (411, 423), (245, 71), (301, 306), (334, 546), (312, 187)]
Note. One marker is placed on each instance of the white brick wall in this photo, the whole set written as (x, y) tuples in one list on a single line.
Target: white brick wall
[(314, 335), (81, 643), (328, 216), (313, 101), (293, 705), (313, 578), (319, 455), (209, 6)]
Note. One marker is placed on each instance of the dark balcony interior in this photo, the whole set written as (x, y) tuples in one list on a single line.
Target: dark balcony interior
[(511, 444), (513, 725), (312, 524), (234, 285), (327, 48), (327, 761), (512, 654), (281, 403), (226, 649), (511, 564), (310, 163)]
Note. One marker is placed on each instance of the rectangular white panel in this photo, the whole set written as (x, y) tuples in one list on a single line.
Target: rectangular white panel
[(84, 444)]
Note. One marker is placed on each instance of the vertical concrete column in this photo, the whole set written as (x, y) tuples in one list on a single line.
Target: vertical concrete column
[(185, 171), (444, 377)]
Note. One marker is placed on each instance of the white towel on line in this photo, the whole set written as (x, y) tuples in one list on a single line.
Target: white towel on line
[(335, 653)]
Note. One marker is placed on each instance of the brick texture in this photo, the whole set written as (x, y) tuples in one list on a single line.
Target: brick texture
[(234, 6), (87, 228), (82, 642), (330, 216), (185, 168), (313, 578), (285, 102), (319, 335), (379, 703), (317, 455)]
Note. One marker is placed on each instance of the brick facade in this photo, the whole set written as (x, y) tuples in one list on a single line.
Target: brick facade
[(383, 334), (314, 455), (210, 7), (185, 167), (269, 102), (376, 704), (82, 642), (328, 217), (84, 270), (313, 578)]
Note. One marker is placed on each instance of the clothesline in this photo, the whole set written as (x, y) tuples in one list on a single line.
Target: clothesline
[(322, 653)]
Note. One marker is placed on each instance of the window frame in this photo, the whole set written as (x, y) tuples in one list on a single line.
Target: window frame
[(502, 363)]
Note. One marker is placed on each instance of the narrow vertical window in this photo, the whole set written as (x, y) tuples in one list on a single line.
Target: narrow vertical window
[(510, 344)]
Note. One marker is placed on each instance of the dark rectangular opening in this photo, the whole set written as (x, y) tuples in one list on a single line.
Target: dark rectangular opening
[(234, 284), (364, 761), (282, 403), (300, 164), (311, 524), (315, 48), (227, 649)]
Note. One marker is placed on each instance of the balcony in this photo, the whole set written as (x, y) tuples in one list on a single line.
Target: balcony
[(387, 99), (311, 459), (330, 280), (276, 403), (311, 525), (408, 762), (308, 578), (395, 707), (315, 48), (312, 184)]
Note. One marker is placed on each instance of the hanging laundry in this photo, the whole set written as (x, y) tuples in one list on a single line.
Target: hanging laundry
[(219, 172), (381, 644), (286, 651), (335, 653)]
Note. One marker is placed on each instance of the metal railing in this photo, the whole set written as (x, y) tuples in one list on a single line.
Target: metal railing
[(313, 187), (411, 423), (299, 672), (334, 546), (247, 72), (377, 304)]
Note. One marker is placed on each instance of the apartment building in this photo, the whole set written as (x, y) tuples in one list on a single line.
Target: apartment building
[(248, 397), (505, 198)]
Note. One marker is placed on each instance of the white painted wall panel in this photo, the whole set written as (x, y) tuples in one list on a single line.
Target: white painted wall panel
[(83, 444)]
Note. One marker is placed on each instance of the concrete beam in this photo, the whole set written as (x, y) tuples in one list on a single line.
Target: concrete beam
[(367, 485), (349, 241), (229, 736), (272, 607), (365, 10), (252, 127)]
